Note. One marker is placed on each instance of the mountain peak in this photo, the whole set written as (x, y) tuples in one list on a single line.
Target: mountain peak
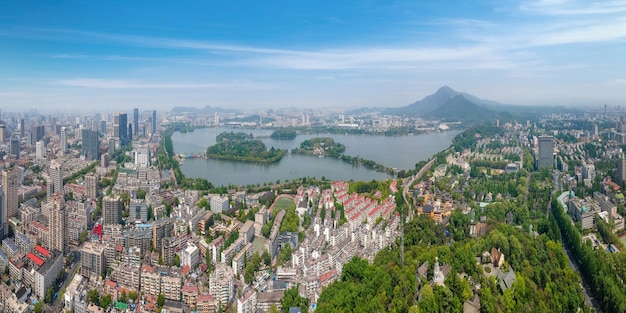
[(446, 89)]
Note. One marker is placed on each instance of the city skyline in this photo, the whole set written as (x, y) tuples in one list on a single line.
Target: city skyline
[(73, 56)]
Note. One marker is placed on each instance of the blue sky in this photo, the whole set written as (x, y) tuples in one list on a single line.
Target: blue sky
[(73, 55)]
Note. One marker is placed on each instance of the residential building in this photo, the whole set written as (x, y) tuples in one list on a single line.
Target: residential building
[(221, 283), (161, 228), (190, 256), (621, 170), (247, 303), (219, 204), (111, 210), (58, 219), (10, 185), (92, 260), (55, 178), (91, 186)]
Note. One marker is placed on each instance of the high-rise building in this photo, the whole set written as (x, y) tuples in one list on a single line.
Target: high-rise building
[(10, 184), (130, 132), (161, 229), (621, 170), (14, 147), (58, 219), (90, 144), (22, 131), (4, 229), (55, 178), (120, 127), (154, 122), (104, 160), (63, 140), (92, 260), (40, 150), (91, 186), (135, 121), (545, 153), (36, 133), (3, 132), (111, 210)]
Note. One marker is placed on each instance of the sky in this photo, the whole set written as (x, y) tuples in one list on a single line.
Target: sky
[(74, 55)]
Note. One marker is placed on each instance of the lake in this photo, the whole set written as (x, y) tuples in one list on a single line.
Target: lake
[(401, 152)]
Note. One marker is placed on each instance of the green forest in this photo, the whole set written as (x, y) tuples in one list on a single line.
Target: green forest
[(284, 134), (544, 281), (242, 147)]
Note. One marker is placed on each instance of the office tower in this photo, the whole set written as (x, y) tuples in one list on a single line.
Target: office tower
[(91, 186), (90, 144), (14, 147), (154, 123), (92, 260), (135, 121), (103, 127), (63, 140), (36, 134), (3, 130), (621, 169), (10, 185), (111, 210), (120, 128), (55, 178), (22, 131), (130, 132), (40, 150), (57, 225), (111, 146), (104, 160), (546, 150)]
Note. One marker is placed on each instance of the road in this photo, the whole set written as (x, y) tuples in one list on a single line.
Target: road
[(57, 304), (589, 299), (587, 294), (405, 191)]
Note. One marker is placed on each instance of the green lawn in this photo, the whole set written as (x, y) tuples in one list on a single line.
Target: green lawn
[(284, 203)]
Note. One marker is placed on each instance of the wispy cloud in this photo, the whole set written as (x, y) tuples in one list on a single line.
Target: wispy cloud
[(566, 7), (98, 83)]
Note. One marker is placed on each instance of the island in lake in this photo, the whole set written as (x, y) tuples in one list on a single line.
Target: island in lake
[(284, 134), (243, 147), (321, 146)]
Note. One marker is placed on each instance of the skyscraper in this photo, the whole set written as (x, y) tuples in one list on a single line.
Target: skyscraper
[(120, 127), (135, 121), (36, 133), (621, 169), (55, 178), (90, 145), (14, 147), (154, 123), (3, 216), (63, 140), (10, 184), (545, 153), (111, 210), (22, 128), (40, 150)]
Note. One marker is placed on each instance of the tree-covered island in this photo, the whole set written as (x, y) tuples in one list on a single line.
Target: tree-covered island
[(321, 146), (284, 134), (243, 147)]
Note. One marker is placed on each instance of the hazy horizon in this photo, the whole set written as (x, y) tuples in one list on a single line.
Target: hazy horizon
[(72, 55)]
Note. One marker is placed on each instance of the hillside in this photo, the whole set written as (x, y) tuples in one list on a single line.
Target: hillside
[(459, 108)]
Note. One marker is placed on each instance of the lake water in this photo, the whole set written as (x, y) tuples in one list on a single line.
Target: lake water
[(401, 152)]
